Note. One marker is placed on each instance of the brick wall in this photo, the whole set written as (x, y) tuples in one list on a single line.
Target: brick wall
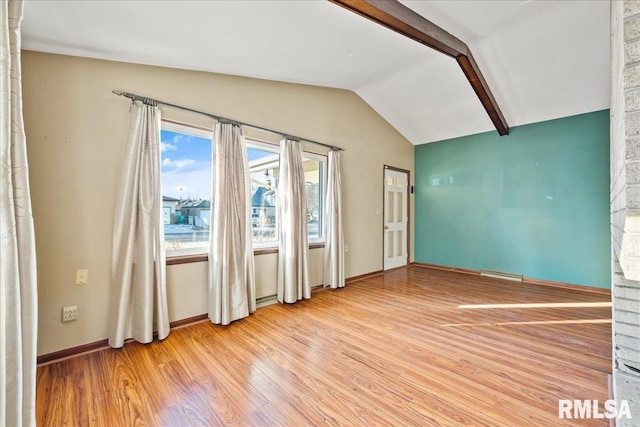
[(625, 201)]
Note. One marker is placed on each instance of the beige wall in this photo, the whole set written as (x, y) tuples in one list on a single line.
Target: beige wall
[(76, 132)]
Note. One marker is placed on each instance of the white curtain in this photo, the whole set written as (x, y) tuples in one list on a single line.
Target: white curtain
[(231, 269), (293, 256), (18, 286), (334, 237), (138, 269)]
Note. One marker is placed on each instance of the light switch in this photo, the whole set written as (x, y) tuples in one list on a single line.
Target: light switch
[(82, 276)]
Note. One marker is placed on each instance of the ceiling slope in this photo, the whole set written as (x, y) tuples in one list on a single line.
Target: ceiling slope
[(403, 20), (542, 59)]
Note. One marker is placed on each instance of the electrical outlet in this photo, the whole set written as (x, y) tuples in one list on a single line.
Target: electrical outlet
[(69, 313)]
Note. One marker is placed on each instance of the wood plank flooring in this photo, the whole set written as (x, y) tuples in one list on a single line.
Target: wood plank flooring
[(412, 347)]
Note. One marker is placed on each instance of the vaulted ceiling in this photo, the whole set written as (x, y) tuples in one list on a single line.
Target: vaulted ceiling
[(541, 59)]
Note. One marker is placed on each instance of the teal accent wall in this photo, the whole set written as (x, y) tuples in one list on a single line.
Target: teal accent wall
[(534, 203)]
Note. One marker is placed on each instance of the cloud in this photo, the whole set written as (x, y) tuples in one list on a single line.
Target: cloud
[(180, 137), (193, 184), (177, 164), (165, 146)]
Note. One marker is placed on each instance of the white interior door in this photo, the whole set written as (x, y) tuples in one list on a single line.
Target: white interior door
[(395, 218)]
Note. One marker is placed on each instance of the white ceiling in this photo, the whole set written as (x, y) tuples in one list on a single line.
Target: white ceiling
[(541, 59)]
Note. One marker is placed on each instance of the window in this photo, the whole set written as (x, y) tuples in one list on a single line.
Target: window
[(314, 177), (186, 189), (264, 167)]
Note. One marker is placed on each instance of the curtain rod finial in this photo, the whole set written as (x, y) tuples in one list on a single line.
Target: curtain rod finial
[(117, 92)]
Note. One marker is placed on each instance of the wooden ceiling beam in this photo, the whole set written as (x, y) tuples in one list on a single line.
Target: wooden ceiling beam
[(399, 18)]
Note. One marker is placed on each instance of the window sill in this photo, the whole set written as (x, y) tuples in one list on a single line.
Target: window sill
[(188, 259)]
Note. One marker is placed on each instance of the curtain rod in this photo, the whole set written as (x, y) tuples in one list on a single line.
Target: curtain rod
[(147, 100)]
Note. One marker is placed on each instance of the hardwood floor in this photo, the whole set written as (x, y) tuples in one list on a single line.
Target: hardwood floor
[(411, 347)]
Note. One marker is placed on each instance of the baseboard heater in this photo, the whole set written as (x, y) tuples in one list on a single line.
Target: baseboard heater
[(265, 301), (501, 275)]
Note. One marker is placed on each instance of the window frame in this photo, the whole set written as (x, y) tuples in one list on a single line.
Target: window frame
[(186, 128)]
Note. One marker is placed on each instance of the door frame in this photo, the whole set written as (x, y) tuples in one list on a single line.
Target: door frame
[(408, 172)]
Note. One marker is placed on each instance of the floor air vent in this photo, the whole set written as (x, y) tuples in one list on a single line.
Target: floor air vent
[(501, 275)]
